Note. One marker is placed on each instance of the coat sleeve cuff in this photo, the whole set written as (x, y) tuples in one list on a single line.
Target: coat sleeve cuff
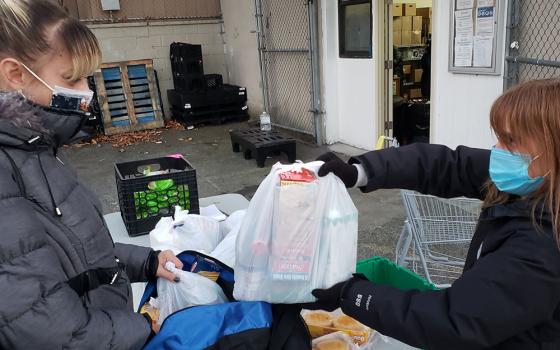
[(362, 176)]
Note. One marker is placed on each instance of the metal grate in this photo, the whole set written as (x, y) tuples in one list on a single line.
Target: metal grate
[(533, 45), (286, 54)]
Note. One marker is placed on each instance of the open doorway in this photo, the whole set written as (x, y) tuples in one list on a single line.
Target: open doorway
[(409, 33)]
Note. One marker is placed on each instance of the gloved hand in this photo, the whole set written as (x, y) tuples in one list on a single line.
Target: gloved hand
[(330, 299), (333, 164)]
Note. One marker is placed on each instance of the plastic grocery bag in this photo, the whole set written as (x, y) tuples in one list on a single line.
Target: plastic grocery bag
[(191, 290), (186, 232), (225, 251), (336, 340), (299, 233)]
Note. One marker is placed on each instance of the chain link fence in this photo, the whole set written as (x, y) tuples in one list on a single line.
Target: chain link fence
[(533, 50), (286, 61)]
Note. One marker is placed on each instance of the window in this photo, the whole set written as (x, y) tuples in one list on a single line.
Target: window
[(354, 25)]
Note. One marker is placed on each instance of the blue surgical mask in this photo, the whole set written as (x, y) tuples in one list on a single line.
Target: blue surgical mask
[(510, 172)]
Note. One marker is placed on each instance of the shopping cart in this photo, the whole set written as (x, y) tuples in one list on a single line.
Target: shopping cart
[(436, 235)]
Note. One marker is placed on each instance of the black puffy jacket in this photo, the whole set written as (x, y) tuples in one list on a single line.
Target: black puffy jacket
[(509, 294), (41, 250)]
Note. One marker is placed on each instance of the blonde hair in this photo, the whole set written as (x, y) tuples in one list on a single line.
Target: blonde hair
[(24, 29), (531, 111)]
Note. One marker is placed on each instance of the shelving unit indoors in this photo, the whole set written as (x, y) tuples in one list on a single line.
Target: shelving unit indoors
[(412, 28)]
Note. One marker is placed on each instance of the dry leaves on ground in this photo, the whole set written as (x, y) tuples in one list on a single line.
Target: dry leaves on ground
[(132, 138)]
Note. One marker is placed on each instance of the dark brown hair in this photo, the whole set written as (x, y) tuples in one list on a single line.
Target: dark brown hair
[(24, 33)]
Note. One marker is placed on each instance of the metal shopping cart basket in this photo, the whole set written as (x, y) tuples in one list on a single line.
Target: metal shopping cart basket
[(436, 235)]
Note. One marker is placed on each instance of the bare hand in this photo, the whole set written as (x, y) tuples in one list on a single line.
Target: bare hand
[(163, 257)]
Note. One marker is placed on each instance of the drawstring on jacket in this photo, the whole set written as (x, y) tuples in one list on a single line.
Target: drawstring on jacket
[(57, 211)]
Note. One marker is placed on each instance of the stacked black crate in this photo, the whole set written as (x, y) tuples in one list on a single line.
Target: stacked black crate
[(187, 67), (199, 98)]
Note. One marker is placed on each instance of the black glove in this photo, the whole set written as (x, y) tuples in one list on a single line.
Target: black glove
[(333, 164), (330, 299)]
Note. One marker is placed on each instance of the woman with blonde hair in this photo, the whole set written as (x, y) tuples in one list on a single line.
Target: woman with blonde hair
[(63, 282), (509, 294)]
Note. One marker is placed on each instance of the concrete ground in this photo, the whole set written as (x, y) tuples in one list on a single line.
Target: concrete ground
[(220, 171)]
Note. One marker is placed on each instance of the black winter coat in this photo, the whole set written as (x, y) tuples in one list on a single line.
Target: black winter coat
[(40, 250), (509, 294)]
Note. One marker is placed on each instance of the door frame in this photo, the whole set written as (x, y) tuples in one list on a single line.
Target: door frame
[(384, 29)]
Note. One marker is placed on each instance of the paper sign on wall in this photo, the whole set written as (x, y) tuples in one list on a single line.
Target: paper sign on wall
[(485, 21), (482, 47), (464, 4), (474, 34)]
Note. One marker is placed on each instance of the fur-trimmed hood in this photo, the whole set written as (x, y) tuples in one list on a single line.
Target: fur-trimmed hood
[(24, 124)]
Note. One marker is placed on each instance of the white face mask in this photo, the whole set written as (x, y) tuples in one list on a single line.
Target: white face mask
[(64, 98)]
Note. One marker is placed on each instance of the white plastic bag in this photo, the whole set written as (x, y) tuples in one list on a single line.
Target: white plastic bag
[(299, 233), (191, 290), (225, 251), (232, 222), (339, 339), (186, 232)]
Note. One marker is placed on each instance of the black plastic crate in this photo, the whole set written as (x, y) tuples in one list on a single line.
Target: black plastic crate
[(145, 199), (193, 83), (224, 96), (214, 81)]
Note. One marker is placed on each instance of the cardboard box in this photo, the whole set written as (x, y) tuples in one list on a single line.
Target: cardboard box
[(396, 86), (430, 26), (397, 10), (414, 93), (397, 24), (409, 9), (406, 37), (406, 23), (418, 75), (417, 23), (424, 12), (406, 69), (397, 38), (416, 37)]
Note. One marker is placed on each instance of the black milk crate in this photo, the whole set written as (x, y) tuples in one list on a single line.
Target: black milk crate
[(145, 199), (212, 98), (218, 115), (214, 81)]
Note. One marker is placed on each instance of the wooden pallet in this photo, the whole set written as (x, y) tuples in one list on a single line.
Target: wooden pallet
[(128, 96)]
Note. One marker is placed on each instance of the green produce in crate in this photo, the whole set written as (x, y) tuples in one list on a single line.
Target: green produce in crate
[(160, 185), (152, 204), (154, 210), (162, 198), (151, 196)]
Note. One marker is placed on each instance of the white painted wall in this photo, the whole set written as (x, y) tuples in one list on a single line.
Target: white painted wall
[(242, 51), (350, 94), (460, 103), (143, 40)]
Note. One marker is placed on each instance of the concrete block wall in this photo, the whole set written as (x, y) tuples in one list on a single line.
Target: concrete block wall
[(151, 40)]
